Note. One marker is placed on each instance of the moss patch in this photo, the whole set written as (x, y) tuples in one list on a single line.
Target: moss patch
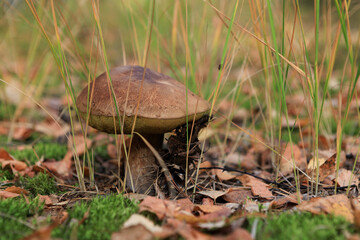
[(301, 226), (106, 215), (40, 184), (15, 217), (47, 150)]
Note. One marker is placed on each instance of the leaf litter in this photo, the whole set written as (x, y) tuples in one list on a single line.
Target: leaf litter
[(226, 191)]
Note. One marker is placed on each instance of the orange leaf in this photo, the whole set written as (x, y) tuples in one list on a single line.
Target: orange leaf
[(287, 163), (6, 194), (18, 190), (337, 204), (224, 175), (258, 188)]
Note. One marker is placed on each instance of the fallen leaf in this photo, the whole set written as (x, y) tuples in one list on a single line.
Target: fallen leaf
[(211, 208), (163, 208), (338, 205), (356, 210), (292, 154), (184, 229), (60, 168), (214, 213), (46, 199), (22, 133), (345, 178), (137, 232), (137, 219), (213, 194), (224, 175), (7, 160), (237, 196), (239, 233), (5, 155), (6, 194), (281, 201), (205, 164), (326, 166), (18, 190), (258, 188), (15, 165)]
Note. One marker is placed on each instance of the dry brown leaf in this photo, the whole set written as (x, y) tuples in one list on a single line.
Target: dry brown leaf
[(185, 230), (6, 194), (137, 227), (336, 204), (287, 163), (224, 175), (46, 199), (237, 195), (60, 168), (18, 190), (163, 208), (137, 232), (211, 208), (22, 133), (15, 165), (356, 210), (213, 194), (213, 213), (205, 164), (345, 177), (185, 204), (239, 233), (5, 155), (281, 201), (258, 188), (326, 167)]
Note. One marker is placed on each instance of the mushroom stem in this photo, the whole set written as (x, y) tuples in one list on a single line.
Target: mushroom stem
[(142, 163)]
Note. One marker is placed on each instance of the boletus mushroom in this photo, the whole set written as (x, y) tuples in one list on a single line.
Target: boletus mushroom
[(162, 108)]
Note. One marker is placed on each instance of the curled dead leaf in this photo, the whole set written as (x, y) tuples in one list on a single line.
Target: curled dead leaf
[(224, 175), (258, 188), (338, 205), (6, 194), (18, 190)]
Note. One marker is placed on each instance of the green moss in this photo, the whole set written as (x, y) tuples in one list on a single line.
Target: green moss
[(106, 215), (40, 184), (14, 218), (47, 150), (301, 226)]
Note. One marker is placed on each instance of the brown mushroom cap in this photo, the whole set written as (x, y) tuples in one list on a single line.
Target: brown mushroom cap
[(162, 105)]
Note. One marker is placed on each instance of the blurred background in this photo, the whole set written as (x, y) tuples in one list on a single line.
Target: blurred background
[(49, 50)]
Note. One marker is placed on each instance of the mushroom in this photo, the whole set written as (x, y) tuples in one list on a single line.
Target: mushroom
[(162, 108)]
